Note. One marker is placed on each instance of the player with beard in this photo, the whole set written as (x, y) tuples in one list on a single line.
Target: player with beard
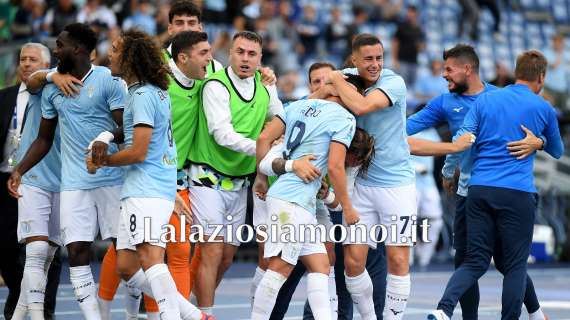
[(461, 70), (89, 204)]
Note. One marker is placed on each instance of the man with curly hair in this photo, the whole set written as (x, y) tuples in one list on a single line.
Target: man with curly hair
[(149, 193)]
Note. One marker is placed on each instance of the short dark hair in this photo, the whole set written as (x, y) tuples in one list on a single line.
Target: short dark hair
[(249, 35), (365, 39), (82, 35), (463, 52), (185, 40), (356, 81), (184, 8), (320, 65), (530, 65)]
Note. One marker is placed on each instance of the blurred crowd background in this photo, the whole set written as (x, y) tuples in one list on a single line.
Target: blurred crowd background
[(297, 33)]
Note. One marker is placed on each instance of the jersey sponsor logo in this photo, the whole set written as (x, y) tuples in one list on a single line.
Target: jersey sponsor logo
[(458, 109)]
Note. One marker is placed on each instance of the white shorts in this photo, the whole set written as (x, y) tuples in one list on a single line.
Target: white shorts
[(38, 214), (259, 211), (142, 220), (293, 247), (393, 208), (429, 202), (84, 213), (213, 209)]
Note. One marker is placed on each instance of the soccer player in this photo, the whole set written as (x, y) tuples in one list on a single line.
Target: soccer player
[(235, 107), (149, 192), (184, 92), (325, 130), (387, 193), (342, 307), (461, 70), (38, 196), (501, 203), (305, 170), (89, 204)]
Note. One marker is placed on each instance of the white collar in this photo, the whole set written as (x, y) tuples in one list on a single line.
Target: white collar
[(239, 81), (179, 75), (22, 88), (88, 73)]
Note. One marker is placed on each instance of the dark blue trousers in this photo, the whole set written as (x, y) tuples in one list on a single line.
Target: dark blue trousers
[(375, 264), (470, 299), (495, 217)]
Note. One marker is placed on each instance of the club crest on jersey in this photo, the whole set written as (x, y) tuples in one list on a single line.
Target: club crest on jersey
[(90, 91)]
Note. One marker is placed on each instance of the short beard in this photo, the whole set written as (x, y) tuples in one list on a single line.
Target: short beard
[(64, 66), (459, 88)]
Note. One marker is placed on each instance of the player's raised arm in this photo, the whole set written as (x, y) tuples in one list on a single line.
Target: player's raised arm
[(356, 102), (422, 147)]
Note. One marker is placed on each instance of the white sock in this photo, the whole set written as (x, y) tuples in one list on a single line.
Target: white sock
[(187, 310), (360, 288), (333, 297), (20, 312), (22, 306), (152, 316), (397, 293), (35, 278), (164, 291), (318, 293), (133, 301), (105, 308), (256, 279), (537, 315), (85, 291), (266, 295)]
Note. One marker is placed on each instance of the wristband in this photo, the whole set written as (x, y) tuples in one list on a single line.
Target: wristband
[(289, 165), (49, 76), (329, 198), (106, 137)]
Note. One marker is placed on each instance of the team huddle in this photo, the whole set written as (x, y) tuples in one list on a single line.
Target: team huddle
[(167, 134)]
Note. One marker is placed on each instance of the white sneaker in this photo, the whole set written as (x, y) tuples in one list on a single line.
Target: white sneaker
[(437, 315)]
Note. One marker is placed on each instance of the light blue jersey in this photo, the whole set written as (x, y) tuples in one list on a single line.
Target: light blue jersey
[(391, 166), (45, 175), (155, 177), (81, 118), (310, 126)]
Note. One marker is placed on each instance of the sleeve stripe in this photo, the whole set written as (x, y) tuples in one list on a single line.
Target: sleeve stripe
[(387, 96), (344, 144), (143, 124), (280, 118)]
